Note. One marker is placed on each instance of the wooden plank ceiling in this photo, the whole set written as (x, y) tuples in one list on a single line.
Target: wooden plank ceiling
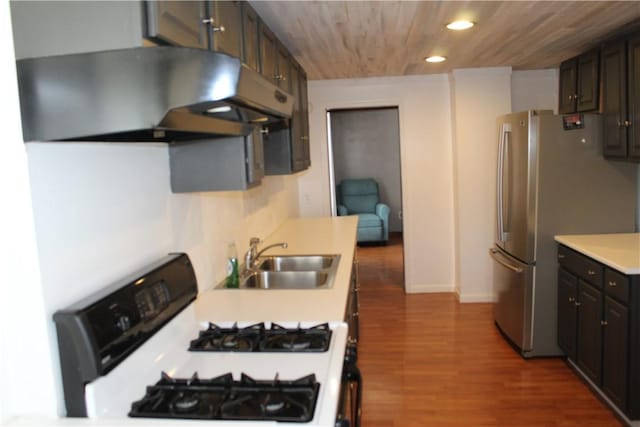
[(350, 39)]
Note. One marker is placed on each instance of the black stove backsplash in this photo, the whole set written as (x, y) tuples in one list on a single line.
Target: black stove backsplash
[(97, 333)]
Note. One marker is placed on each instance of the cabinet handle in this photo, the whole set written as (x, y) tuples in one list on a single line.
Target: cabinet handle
[(304, 138), (280, 77), (576, 96), (570, 97), (571, 299), (211, 21), (578, 304), (264, 131), (604, 323), (612, 284), (627, 123), (591, 272), (355, 314), (561, 256)]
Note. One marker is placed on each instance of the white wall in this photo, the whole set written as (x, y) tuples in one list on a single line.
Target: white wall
[(534, 89), (104, 210), (23, 337), (425, 153), (480, 96)]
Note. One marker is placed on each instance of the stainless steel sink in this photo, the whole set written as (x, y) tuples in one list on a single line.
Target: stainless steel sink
[(291, 272), (285, 280), (297, 263)]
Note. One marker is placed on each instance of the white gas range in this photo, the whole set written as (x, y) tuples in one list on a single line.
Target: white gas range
[(126, 353)]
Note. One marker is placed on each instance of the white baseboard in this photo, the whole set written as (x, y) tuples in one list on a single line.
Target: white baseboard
[(428, 289), (470, 298)]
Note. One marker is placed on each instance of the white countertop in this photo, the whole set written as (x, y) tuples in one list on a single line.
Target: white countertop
[(304, 236), (618, 251)]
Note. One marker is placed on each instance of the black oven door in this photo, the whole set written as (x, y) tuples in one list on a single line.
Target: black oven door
[(350, 405)]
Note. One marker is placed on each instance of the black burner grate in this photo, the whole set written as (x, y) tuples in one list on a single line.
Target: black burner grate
[(257, 338), (223, 398)]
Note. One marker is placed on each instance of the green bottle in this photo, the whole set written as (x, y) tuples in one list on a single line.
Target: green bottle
[(233, 276)]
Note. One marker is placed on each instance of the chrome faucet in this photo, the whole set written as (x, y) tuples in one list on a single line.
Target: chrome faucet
[(252, 254)]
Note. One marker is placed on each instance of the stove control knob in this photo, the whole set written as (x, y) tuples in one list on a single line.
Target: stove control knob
[(123, 323)]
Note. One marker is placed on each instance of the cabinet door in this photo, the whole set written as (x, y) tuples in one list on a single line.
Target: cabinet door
[(225, 32), (614, 105), (297, 148), (176, 22), (634, 97), (268, 46), (588, 81), (567, 87), (250, 36), (615, 350), (304, 120), (283, 64), (567, 315), (590, 331)]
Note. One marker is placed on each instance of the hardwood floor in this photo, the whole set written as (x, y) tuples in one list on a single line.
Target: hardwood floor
[(427, 360)]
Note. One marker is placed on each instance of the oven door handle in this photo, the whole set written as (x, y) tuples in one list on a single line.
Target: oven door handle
[(354, 376)]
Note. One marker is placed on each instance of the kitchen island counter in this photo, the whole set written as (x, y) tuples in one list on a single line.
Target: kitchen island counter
[(619, 251), (304, 236)]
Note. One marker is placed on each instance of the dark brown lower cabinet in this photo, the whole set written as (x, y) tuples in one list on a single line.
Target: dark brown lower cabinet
[(567, 312), (589, 356), (615, 351), (599, 327)]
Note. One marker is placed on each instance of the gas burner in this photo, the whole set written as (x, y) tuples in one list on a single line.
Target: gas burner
[(257, 338), (215, 338), (225, 399), (281, 339)]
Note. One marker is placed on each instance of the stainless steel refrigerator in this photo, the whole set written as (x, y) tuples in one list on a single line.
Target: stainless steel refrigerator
[(549, 181)]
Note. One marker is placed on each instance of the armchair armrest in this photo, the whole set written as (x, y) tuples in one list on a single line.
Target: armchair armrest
[(342, 210), (382, 211)]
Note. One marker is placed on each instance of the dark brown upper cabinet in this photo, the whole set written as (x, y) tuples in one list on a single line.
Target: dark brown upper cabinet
[(579, 86), (224, 26), (621, 98), (176, 22), (251, 52), (268, 51)]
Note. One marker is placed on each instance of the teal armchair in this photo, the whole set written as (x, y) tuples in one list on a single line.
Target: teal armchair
[(361, 197)]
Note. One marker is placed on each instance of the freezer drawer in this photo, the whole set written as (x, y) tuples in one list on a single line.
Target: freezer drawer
[(513, 287)]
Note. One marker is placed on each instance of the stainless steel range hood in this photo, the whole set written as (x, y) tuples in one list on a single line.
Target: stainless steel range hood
[(144, 94)]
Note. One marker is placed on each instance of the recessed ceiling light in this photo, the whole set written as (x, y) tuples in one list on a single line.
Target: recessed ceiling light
[(435, 58), (460, 25)]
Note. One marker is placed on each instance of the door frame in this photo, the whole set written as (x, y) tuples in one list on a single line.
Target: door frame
[(404, 182)]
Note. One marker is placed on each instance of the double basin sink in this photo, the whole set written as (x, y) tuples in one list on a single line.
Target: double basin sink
[(292, 272)]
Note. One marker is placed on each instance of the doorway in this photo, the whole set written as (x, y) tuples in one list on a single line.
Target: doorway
[(365, 143)]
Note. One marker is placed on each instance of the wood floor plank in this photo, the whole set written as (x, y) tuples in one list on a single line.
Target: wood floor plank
[(428, 360)]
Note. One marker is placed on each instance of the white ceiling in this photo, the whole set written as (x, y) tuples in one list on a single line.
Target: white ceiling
[(349, 39)]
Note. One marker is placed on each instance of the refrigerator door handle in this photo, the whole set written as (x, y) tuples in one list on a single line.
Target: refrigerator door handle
[(499, 184), (506, 183), (498, 258), (505, 129)]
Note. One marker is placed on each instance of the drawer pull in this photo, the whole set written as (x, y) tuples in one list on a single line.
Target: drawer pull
[(604, 323), (561, 256), (591, 272), (612, 284)]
